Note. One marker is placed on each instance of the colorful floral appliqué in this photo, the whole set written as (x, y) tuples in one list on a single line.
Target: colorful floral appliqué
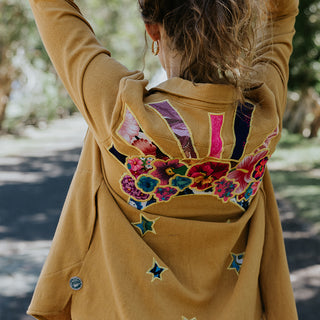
[(243, 171), (205, 174), (128, 186), (139, 165), (224, 189), (168, 169), (165, 193), (181, 182), (147, 184), (154, 177)]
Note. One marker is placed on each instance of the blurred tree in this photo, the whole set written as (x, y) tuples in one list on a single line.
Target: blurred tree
[(13, 28), (27, 80), (303, 109)]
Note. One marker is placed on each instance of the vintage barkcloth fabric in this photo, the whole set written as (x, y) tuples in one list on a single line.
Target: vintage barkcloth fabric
[(171, 214)]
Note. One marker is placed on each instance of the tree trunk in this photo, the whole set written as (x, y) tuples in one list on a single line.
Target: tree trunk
[(302, 115), (5, 90)]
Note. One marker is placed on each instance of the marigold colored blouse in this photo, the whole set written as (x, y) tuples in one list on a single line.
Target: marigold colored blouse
[(171, 212)]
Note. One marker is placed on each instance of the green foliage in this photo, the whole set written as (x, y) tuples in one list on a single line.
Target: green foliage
[(305, 61), (295, 168), (37, 94)]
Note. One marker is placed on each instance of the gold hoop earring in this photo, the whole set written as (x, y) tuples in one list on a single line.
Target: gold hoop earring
[(155, 48)]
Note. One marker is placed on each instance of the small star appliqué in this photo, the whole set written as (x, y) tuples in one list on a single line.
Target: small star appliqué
[(156, 270), (145, 225), (184, 318), (236, 263)]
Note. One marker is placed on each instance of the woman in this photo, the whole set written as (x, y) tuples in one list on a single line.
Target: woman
[(171, 213)]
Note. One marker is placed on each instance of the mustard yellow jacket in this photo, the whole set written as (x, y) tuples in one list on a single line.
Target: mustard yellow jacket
[(171, 213)]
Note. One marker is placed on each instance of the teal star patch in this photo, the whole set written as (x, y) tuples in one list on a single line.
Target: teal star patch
[(236, 263), (145, 225), (156, 270)]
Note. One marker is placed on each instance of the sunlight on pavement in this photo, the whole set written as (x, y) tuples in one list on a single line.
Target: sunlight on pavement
[(306, 282), (21, 263)]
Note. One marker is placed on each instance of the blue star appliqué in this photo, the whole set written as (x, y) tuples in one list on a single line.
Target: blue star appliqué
[(156, 270), (236, 263), (145, 225)]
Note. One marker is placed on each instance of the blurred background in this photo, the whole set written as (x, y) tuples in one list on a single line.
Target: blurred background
[(41, 136)]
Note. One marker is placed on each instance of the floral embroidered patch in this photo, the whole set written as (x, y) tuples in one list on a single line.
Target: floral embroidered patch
[(205, 174), (154, 177)]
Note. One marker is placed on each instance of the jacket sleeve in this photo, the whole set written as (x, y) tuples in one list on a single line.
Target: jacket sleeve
[(81, 62), (275, 48)]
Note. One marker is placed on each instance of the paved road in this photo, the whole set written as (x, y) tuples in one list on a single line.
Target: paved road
[(34, 177)]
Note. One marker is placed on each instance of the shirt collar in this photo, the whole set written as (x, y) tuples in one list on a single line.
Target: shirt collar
[(208, 92)]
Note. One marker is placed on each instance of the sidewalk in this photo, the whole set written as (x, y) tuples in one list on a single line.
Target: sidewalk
[(35, 173)]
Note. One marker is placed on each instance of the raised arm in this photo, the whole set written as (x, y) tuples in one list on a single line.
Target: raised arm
[(274, 51), (81, 62)]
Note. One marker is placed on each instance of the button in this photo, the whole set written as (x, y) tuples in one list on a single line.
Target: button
[(75, 283)]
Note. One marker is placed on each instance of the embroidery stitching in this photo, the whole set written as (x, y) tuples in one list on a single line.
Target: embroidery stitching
[(152, 179), (177, 125)]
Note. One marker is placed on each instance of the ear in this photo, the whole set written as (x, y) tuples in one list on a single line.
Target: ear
[(153, 31)]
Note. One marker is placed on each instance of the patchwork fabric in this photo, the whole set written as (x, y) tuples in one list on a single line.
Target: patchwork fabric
[(242, 128), (155, 177), (216, 121), (177, 125), (131, 132)]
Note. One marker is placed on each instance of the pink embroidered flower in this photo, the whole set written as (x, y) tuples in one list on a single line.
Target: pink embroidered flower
[(135, 164), (243, 171), (145, 146), (164, 194), (129, 128), (224, 189), (259, 168), (128, 186), (266, 143), (139, 166), (167, 169), (206, 173), (147, 162)]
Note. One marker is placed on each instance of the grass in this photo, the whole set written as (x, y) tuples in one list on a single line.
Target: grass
[(295, 172)]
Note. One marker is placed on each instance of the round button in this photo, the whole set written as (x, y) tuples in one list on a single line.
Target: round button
[(75, 283)]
